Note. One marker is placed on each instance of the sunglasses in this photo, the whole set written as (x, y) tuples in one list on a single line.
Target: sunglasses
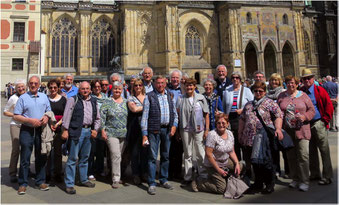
[(104, 84), (235, 77), (307, 78), (137, 85), (258, 91)]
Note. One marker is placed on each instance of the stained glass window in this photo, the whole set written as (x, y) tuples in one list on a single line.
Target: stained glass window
[(64, 44), (192, 42), (103, 48)]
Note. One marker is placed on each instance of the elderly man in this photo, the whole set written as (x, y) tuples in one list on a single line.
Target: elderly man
[(259, 76), (147, 74), (222, 80), (176, 149), (104, 87), (117, 77), (30, 111), (319, 125), (159, 122), (332, 90), (69, 89), (81, 121)]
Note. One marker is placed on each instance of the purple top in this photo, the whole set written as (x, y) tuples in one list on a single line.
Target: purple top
[(87, 113)]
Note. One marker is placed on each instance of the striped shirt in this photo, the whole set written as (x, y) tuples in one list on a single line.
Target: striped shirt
[(235, 101)]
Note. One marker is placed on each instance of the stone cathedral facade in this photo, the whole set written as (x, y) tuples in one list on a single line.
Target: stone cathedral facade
[(83, 36)]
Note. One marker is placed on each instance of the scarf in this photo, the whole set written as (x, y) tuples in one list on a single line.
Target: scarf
[(256, 103), (273, 93)]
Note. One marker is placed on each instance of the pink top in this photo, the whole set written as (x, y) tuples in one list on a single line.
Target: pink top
[(304, 106)]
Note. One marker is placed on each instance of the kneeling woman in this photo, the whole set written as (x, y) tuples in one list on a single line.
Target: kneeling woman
[(219, 148)]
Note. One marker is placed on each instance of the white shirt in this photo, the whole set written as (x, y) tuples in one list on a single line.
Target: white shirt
[(10, 108)]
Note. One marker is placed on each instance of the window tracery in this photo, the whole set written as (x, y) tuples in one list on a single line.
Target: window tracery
[(192, 42)]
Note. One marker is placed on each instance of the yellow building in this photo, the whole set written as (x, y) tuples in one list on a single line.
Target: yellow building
[(82, 37), (20, 39)]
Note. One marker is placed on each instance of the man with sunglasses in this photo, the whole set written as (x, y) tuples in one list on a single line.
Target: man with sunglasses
[(30, 111), (104, 87), (319, 125)]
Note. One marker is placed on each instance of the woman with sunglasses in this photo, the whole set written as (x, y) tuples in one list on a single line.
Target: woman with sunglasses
[(235, 98), (134, 137), (58, 104), (98, 144), (20, 88), (249, 125)]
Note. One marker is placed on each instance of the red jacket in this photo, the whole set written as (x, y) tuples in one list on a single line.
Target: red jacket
[(324, 103)]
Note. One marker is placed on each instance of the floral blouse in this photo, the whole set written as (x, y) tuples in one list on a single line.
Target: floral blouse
[(221, 147), (267, 109), (214, 103), (114, 118)]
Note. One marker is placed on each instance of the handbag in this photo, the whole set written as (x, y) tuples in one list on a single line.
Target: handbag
[(285, 143), (235, 188)]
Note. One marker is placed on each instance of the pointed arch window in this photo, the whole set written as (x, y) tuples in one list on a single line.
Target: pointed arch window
[(103, 48), (285, 19), (249, 18), (192, 42), (64, 44)]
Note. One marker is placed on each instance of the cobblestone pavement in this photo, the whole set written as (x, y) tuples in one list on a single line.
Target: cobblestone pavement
[(103, 193)]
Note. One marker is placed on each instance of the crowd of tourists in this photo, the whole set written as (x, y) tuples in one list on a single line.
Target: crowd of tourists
[(234, 127)]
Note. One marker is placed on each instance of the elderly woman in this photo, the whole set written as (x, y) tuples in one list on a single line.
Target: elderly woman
[(98, 144), (298, 112), (213, 100), (249, 125), (58, 104), (274, 88), (235, 98), (219, 148), (113, 114), (134, 136), (194, 126), (20, 89)]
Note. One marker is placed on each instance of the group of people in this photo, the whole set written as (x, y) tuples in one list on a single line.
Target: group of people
[(213, 134)]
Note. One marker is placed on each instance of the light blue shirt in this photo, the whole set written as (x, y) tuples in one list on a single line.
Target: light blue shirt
[(176, 92), (164, 112), (314, 101), (72, 92), (148, 88), (32, 106)]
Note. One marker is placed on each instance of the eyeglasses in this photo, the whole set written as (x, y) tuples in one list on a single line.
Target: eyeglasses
[(104, 84), (51, 88), (33, 83), (235, 77), (137, 85), (258, 91)]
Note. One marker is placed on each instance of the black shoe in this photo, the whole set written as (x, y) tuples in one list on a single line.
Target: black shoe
[(268, 190), (70, 190), (14, 179), (88, 184), (254, 188), (185, 183), (325, 181)]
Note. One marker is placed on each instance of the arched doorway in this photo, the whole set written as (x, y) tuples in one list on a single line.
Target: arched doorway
[(251, 61), (197, 77), (288, 61), (270, 60)]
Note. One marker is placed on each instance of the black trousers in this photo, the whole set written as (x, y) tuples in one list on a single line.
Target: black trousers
[(175, 158)]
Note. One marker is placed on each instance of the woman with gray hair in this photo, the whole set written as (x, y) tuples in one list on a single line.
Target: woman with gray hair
[(235, 98), (20, 89), (113, 114), (213, 100)]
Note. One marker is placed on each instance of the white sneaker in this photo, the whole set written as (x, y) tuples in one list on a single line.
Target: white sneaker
[(293, 184), (91, 178), (303, 187)]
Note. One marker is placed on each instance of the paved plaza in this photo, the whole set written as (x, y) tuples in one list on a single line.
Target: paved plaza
[(103, 193)]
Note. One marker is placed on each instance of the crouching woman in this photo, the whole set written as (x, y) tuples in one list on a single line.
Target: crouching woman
[(219, 148)]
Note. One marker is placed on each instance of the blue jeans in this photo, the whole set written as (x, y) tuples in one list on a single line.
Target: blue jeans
[(163, 139), (29, 136), (81, 148)]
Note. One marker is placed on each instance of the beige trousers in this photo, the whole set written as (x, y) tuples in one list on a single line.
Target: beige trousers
[(116, 147), (15, 132)]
